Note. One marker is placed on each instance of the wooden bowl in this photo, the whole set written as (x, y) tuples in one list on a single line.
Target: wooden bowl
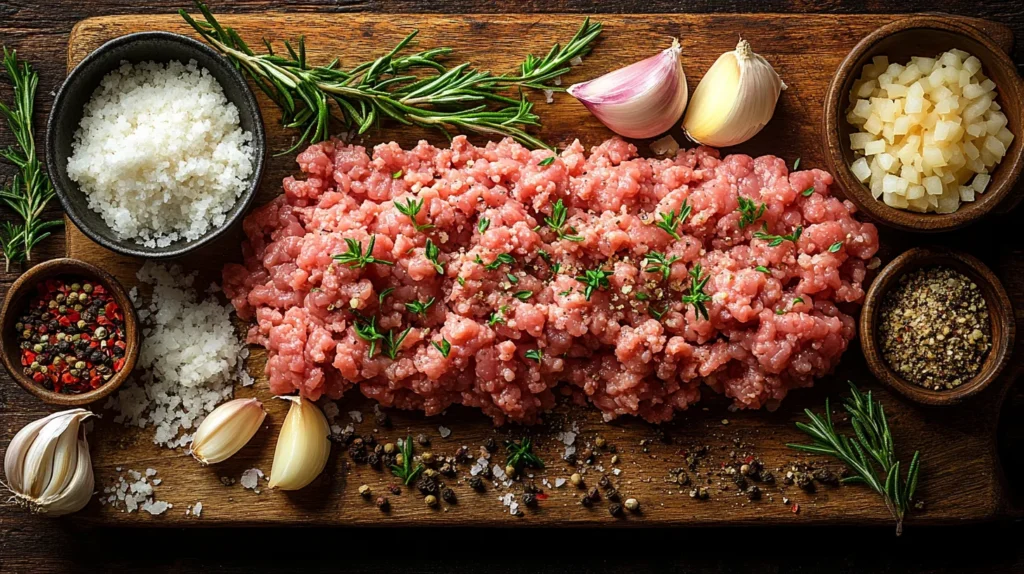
[(14, 304), (1000, 314), (923, 36)]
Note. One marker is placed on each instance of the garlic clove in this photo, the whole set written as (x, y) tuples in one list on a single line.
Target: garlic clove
[(734, 100), (226, 430), (643, 99), (47, 464), (302, 447)]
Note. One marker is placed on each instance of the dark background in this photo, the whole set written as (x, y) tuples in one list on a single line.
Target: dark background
[(39, 30)]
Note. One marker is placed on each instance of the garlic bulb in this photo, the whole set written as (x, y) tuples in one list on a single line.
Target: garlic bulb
[(48, 466), (641, 100), (734, 99), (302, 447), (226, 430)]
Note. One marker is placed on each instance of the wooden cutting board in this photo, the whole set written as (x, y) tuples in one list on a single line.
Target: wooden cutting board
[(960, 479)]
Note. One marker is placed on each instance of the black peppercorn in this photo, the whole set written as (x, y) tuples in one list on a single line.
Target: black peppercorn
[(530, 499), (585, 501), (615, 509), (422, 440), (754, 493), (448, 495), (612, 494), (426, 486), (490, 445), (594, 495), (383, 504), (604, 482), (381, 419), (476, 483), (373, 459), (395, 489)]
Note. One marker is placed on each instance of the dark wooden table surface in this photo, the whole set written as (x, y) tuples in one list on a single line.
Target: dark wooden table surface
[(39, 30)]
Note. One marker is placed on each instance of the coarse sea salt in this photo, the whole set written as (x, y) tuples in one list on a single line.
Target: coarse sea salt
[(251, 479), (135, 494), (188, 355), (444, 431)]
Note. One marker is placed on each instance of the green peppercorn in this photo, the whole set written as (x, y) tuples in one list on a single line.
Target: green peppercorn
[(78, 308), (76, 286), (37, 348), (72, 297), (100, 333), (35, 366), (87, 288), (26, 334), (74, 372), (60, 297), (62, 309), (81, 324), (57, 361), (80, 365), (52, 304), (19, 326)]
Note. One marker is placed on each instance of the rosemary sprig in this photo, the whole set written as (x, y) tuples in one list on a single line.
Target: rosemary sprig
[(557, 223), (520, 454), (419, 307), (672, 220), (872, 449), (30, 189), (367, 331), (356, 258), (392, 343), (444, 98), (406, 471), (696, 296), (658, 262), (411, 208), (750, 212), (594, 279), (776, 240)]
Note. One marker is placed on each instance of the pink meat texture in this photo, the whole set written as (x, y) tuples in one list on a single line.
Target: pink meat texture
[(774, 319)]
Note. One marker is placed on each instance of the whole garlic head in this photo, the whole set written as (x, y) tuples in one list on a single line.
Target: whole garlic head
[(48, 466)]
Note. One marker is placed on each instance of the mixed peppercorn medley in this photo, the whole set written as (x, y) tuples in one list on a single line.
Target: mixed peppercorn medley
[(72, 336)]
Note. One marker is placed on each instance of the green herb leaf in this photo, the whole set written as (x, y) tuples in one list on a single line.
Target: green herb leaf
[(392, 343), (356, 258), (497, 317), (658, 262), (384, 295), (807, 192), (367, 331), (776, 240), (396, 175), (594, 279), (411, 209), (696, 296), (432, 252), (502, 259), (546, 161), (444, 347), (512, 278), (763, 269), (523, 295), (672, 220), (641, 296), (406, 471), (483, 224), (557, 222), (419, 307), (520, 454), (835, 247), (750, 212), (796, 164), (535, 354)]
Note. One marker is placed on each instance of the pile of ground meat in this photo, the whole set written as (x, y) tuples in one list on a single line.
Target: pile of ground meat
[(510, 325)]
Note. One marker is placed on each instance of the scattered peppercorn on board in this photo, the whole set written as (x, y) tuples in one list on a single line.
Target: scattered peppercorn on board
[(669, 471)]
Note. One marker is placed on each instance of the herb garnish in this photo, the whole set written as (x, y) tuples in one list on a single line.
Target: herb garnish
[(750, 212), (497, 316), (697, 297), (557, 222), (641, 296), (483, 224), (444, 347), (523, 295), (392, 344), (367, 331), (419, 307), (546, 161), (776, 240), (411, 209), (512, 278), (384, 295), (432, 253), (30, 189), (535, 354), (872, 448), (355, 257), (521, 454), (396, 175), (501, 259), (656, 313), (796, 164), (835, 247), (763, 269), (672, 220), (657, 262), (406, 472), (807, 192), (594, 279), (443, 98)]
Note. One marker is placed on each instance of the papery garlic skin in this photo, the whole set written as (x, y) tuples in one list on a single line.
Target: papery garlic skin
[(302, 447), (226, 430), (641, 100), (734, 100), (48, 465)]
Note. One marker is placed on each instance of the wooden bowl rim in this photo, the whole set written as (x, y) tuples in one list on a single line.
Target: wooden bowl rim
[(995, 297), (857, 192), (67, 265)]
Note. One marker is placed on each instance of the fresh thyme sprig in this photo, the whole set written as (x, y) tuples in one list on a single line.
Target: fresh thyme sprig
[(658, 262), (696, 296), (367, 331), (411, 208), (497, 317), (432, 252), (872, 449), (445, 98), (672, 220), (30, 189), (535, 355), (356, 258), (444, 347), (392, 343), (501, 259), (406, 471), (557, 223), (594, 279), (419, 307), (750, 212), (776, 240), (520, 454)]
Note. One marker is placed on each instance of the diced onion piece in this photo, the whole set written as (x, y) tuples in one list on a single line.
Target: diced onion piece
[(861, 169)]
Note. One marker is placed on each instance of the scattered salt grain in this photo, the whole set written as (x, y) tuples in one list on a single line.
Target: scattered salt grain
[(356, 416), (188, 357), (576, 61), (559, 482), (251, 479), (197, 509), (444, 431)]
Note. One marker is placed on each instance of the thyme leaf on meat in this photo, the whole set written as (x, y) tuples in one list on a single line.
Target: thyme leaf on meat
[(356, 258), (835, 247), (671, 221), (523, 295), (502, 259), (763, 269), (546, 161), (870, 455), (432, 252), (407, 88), (411, 208), (483, 224), (384, 295), (520, 454), (497, 317), (367, 331), (696, 296), (557, 223), (444, 347), (750, 212), (535, 355), (776, 240), (807, 192), (406, 471), (658, 262), (419, 307), (30, 189), (392, 344), (594, 279)]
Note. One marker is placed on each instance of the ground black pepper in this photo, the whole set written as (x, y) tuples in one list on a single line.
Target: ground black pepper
[(935, 329)]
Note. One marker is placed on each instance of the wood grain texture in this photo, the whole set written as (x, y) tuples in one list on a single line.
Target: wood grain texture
[(954, 442)]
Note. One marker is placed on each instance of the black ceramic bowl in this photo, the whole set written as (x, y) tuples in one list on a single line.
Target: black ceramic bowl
[(78, 89)]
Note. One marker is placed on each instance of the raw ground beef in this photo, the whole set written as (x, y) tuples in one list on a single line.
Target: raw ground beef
[(774, 322)]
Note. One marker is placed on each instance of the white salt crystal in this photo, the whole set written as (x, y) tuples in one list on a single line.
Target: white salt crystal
[(150, 472), (251, 478), (158, 507), (559, 482), (197, 509), (356, 416), (444, 431)]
